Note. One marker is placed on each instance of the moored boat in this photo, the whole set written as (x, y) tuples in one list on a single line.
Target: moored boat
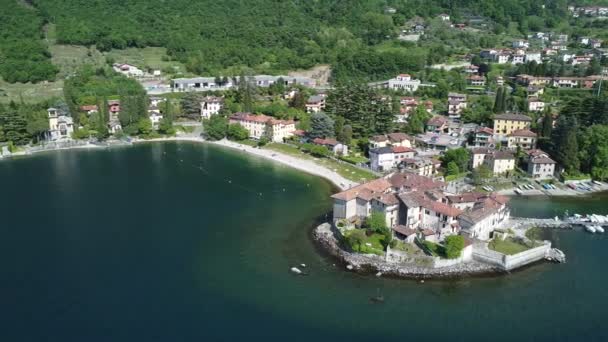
[(590, 228)]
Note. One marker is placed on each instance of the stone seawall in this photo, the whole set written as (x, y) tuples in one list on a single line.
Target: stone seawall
[(325, 236)]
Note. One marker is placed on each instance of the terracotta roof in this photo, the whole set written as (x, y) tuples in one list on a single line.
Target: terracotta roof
[(413, 181), (512, 117), (329, 142), (398, 137), (486, 130), (88, 108), (388, 199), (402, 149), (523, 133), (379, 138), (503, 155), (466, 197), (379, 185), (403, 230), (437, 121), (259, 118)]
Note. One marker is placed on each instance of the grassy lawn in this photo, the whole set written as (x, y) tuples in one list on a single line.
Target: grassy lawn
[(509, 246), (408, 248), (376, 244), (354, 159), (347, 171), (69, 58), (29, 92)]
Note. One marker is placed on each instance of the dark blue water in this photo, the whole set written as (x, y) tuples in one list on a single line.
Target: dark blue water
[(184, 242)]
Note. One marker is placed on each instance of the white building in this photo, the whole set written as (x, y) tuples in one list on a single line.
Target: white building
[(211, 105), (534, 56), (535, 104), (404, 82), (540, 165), (155, 117), (60, 126), (315, 103), (388, 157), (128, 70)]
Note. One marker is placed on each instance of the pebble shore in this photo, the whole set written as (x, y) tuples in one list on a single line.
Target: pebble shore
[(324, 235)]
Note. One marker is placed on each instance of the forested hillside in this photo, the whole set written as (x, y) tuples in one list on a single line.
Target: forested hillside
[(23, 55), (270, 36)]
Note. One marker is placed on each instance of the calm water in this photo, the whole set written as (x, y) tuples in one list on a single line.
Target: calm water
[(135, 245)]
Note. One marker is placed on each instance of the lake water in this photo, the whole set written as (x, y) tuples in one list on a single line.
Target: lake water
[(186, 242)]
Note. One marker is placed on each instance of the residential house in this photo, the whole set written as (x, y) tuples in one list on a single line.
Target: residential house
[(500, 81), (471, 69), (540, 165), (332, 145), (483, 215), (456, 104), (478, 155), (483, 137), (519, 58), (391, 139), (476, 81), (437, 124), (265, 126), (444, 17), (90, 109), (500, 162), (388, 157), (534, 91), (438, 141), (211, 105), (155, 101), (315, 103), (523, 138), (502, 57), (421, 166), (60, 126), (533, 56), (520, 44), (505, 124), (155, 117), (403, 82), (535, 104)]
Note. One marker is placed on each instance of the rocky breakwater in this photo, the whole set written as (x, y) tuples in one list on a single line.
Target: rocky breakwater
[(326, 236)]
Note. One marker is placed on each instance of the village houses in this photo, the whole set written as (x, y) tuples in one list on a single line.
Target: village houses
[(391, 139), (412, 202), (389, 157), (403, 82), (315, 103)]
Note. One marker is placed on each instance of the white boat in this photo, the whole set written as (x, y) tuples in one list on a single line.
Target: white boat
[(517, 191), (597, 183), (590, 228), (599, 229)]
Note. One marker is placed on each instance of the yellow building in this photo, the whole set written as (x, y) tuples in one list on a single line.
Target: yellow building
[(505, 124)]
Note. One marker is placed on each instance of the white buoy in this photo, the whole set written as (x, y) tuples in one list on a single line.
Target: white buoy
[(379, 274), (303, 265), (349, 267), (296, 270)]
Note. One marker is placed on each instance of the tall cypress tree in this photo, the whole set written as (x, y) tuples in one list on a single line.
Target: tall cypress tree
[(566, 143), (499, 101)]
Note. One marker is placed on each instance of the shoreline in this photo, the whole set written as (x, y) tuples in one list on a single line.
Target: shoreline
[(302, 165), (324, 237), (306, 166)]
